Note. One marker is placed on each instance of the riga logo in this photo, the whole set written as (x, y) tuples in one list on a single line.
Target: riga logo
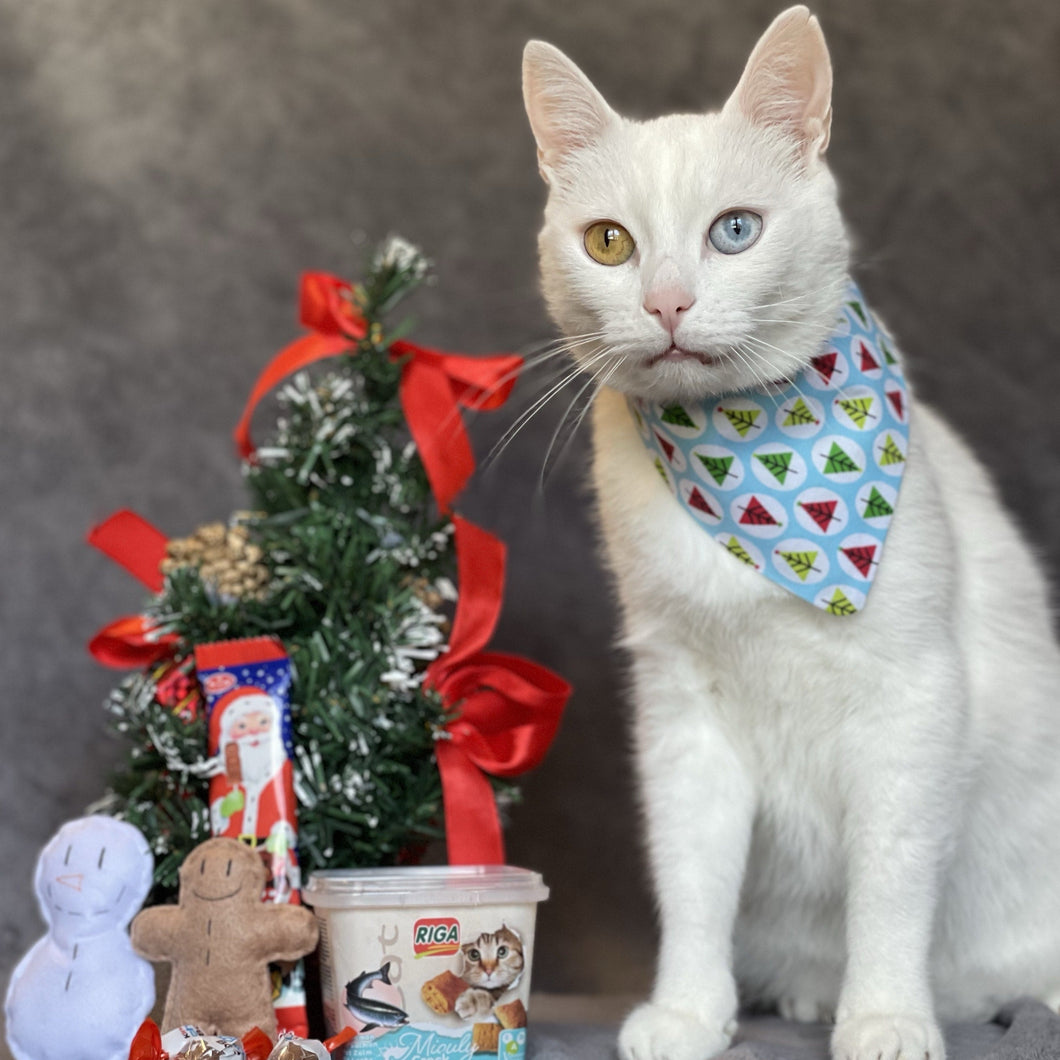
[(437, 936)]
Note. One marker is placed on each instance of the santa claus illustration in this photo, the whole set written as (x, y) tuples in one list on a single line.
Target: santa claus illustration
[(252, 793)]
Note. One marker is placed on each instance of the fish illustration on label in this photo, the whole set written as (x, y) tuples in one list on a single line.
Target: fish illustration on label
[(371, 1011)]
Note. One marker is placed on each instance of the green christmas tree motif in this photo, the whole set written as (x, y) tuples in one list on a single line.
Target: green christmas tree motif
[(877, 505), (859, 309), (839, 461), (777, 464), (676, 415), (890, 453), (662, 471), (887, 355), (740, 552), (800, 415), (858, 409), (742, 420), (800, 562), (717, 467), (840, 605)]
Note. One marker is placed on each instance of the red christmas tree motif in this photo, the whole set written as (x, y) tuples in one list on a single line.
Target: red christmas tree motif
[(821, 512), (825, 363), (699, 502), (868, 362), (667, 447), (756, 514), (895, 398), (862, 556)]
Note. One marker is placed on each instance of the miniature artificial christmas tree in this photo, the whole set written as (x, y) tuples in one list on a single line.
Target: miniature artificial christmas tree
[(347, 556)]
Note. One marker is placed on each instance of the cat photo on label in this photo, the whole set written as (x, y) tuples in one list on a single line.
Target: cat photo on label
[(843, 677), (491, 965)]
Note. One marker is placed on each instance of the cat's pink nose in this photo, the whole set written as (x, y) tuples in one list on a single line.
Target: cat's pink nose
[(668, 303)]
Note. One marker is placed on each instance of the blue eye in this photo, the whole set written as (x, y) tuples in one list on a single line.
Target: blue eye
[(735, 230)]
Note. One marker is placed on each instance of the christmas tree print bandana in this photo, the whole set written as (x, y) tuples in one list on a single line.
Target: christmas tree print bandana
[(797, 480)]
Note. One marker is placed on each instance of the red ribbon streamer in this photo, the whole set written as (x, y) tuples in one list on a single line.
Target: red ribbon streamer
[(131, 643), (434, 385), (506, 709), (132, 542)]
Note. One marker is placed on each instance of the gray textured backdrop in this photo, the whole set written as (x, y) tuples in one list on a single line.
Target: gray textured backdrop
[(167, 170)]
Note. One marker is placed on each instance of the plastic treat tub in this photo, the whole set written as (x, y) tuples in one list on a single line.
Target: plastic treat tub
[(427, 961)]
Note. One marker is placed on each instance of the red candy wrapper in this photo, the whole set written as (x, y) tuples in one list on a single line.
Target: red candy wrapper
[(247, 687)]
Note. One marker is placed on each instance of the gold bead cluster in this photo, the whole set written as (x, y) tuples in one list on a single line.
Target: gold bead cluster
[(226, 559)]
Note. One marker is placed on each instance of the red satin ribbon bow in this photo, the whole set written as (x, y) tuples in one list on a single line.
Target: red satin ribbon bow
[(505, 709), (131, 642), (434, 385)]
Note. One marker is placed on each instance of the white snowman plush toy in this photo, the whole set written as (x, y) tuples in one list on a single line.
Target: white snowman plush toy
[(83, 978)]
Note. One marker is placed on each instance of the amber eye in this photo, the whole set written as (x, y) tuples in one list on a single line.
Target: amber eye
[(609, 243)]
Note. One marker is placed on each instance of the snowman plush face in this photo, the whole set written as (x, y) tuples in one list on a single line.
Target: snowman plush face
[(92, 877)]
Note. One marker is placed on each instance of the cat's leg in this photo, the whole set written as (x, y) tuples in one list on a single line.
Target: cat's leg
[(902, 796), (699, 803)]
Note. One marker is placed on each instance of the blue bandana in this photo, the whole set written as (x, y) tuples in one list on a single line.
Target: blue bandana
[(798, 480)]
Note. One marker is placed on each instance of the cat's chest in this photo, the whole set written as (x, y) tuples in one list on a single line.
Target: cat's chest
[(766, 654)]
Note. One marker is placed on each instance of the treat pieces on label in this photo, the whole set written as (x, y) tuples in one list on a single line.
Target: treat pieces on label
[(219, 940), (91, 878)]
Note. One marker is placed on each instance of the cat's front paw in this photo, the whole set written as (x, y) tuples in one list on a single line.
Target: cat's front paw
[(473, 1003), (879, 1037), (655, 1032)]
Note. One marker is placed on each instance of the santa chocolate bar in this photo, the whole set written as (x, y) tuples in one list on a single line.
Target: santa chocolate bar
[(247, 686)]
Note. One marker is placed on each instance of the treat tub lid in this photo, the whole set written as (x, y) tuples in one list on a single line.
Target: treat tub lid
[(418, 885)]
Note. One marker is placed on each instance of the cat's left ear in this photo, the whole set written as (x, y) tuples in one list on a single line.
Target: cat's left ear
[(787, 83), (566, 111)]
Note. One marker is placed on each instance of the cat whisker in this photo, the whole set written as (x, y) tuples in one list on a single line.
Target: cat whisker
[(563, 342), (605, 370), (530, 361), (581, 415), (482, 399), (785, 322), (525, 417), (745, 358), (835, 287), (761, 357)]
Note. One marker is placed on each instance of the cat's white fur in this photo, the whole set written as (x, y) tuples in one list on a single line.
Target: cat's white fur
[(858, 816)]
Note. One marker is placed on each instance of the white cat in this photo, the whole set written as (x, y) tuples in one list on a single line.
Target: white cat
[(854, 817)]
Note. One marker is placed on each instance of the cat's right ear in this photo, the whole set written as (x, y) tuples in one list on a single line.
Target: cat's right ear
[(566, 112)]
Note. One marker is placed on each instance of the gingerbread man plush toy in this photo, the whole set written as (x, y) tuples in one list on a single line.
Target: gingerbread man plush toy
[(220, 939)]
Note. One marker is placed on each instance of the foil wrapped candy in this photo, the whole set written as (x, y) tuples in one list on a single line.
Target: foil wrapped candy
[(290, 1047), (190, 1043)]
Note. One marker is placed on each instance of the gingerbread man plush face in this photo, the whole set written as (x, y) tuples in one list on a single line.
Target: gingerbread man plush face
[(220, 871)]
